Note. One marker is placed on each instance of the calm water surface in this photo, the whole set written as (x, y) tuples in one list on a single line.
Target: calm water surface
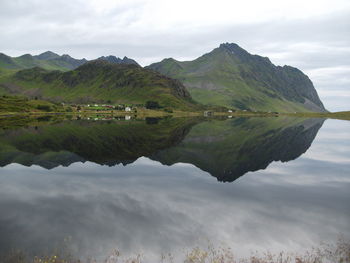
[(169, 185)]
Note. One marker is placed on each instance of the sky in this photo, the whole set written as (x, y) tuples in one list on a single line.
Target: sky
[(312, 35)]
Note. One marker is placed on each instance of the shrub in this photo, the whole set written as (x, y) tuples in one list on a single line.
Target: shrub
[(152, 105), (44, 107), (168, 110)]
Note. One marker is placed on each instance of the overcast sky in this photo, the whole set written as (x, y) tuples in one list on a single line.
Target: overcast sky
[(313, 35)]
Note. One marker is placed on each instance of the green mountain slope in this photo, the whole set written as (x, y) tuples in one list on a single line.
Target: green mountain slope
[(17, 104), (47, 55), (47, 60), (230, 76), (98, 81)]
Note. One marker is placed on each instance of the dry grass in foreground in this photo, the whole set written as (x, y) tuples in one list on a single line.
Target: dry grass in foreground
[(326, 253)]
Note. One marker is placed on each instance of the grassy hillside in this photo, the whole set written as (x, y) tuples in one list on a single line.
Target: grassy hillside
[(230, 76), (99, 81), (10, 104)]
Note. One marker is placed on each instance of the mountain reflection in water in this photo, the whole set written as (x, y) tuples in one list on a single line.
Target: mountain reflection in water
[(144, 186), (227, 149)]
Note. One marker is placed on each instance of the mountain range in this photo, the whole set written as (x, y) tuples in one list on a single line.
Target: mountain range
[(52, 61), (99, 81), (228, 76)]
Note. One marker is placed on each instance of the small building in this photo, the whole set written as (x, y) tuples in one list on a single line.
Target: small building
[(208, 113), (127, 109), (229, 111)]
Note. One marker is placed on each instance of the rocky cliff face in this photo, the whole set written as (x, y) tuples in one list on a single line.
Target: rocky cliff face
[(288, 81), (116, 60)]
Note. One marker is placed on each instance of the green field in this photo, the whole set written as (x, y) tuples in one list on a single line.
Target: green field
[(11, 104)]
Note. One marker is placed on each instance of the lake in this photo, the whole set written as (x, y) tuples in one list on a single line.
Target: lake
[(168, 185)]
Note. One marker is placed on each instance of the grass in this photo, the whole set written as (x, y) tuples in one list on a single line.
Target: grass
[(29, 110), (14, 105), (325, 253), (341, 115)]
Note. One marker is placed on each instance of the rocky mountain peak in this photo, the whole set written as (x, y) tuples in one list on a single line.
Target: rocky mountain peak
[(47, 55)]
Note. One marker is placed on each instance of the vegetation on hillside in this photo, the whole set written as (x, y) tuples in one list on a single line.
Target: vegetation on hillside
[(12, 104), (230, 76), (226, 78), (99, 81)]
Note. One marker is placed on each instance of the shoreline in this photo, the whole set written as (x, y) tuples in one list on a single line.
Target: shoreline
[(345, 115)]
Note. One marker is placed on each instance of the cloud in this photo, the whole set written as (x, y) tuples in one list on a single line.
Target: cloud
[(155, 209), (306, 34)]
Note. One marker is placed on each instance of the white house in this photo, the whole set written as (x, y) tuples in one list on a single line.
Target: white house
[(127, 109)]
